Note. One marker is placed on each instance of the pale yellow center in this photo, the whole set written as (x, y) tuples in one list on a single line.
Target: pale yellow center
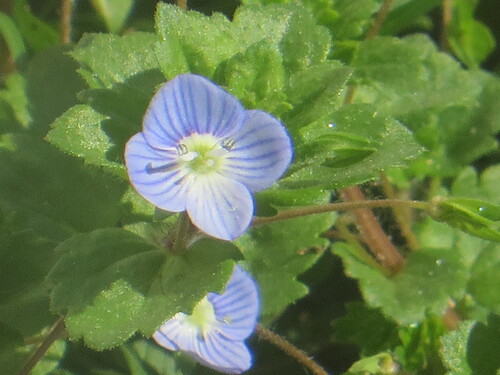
[(202, 153), (203, 319)]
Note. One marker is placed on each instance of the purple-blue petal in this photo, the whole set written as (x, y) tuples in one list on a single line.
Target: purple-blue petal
[(238, 306), (218, 206), (154, 174), (261, 153), (221, 354), (190, 104), (221, 348)]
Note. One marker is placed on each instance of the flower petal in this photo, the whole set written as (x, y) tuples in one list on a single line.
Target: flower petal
[(171, 330), (215, 351), (190, 104), (218, 206), (237, 307), (154, 174), (261, 153)]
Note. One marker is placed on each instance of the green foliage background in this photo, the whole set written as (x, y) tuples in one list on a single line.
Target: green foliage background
[(415, 108)]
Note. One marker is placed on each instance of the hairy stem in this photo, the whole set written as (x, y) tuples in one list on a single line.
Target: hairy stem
[(181, 234), (65, 20), (290, 349), (56, 331), (379, 19), (401, 214), (341, 206)]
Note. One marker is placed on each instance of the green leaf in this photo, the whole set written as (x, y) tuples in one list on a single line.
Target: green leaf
[(365, 327), (205, 41), (90, 262), (470, 40), (114, 12), (255, 76), (378, 364), (472, 348), (71, 196), (15, 96), (147, 358), (483, 346), (304, 43), (420, 345), (485, 278), (110, 320), (454, 349), (469, 184), (354, 18), (111, 283), (11, 358), (208, 41), (406, 15), (430, 277), (314, 93), (476, 217), (413, 82), (267, 200), (78, 132), (51, 86), (407, 75), (123, 107), (387, 144), (37, 34), (12, 37), (109, 59), (26, 259), (277, 253)]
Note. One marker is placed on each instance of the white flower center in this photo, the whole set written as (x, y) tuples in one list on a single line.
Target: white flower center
[(203, 318), (203, 153)]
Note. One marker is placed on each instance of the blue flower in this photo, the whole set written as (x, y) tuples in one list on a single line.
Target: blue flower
[(214, 333), (200, 151)]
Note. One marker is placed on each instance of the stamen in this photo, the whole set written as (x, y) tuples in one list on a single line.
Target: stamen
[(160, 169), (227, 143), (182, 149)]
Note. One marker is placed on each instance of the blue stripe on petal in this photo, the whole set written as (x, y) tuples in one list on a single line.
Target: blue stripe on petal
[(262, 152), (218, 206), (218, 353), (165, 189), (191, 104), (237, 307), (222, 347)]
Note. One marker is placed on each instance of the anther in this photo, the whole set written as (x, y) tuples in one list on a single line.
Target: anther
[(227, 144), (182, 149)]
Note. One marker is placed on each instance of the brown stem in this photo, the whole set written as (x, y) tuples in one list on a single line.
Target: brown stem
[(447, 15), (356, 248), (290, 349), (65, 21), (182, 4), (379, 19), (373, 235), (55, 332), (401, 214), (341, 206)]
